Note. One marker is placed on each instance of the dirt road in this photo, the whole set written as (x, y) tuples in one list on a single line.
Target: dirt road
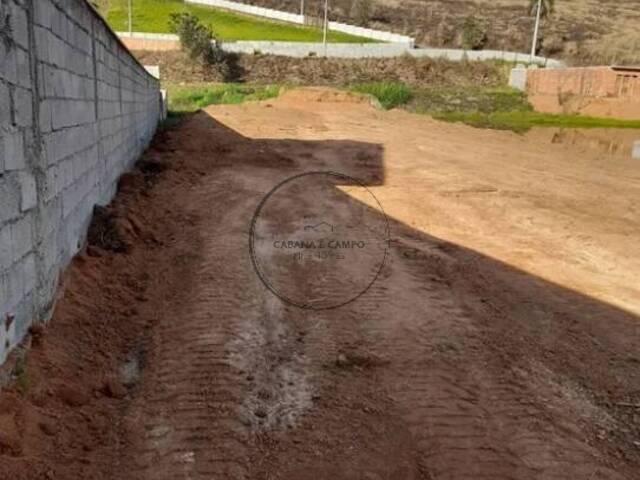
[(500, 338)]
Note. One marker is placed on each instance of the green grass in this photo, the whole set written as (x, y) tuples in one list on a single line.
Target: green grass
[(389, 94), (469, 100), (522, 121), (185, 99), (153, 16), (495, 108)]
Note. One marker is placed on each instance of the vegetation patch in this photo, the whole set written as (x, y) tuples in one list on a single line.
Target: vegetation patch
[(185, 99), (153, 16), (259, 69), (497, 108), (469, 100), (389, 94), (522, 121)]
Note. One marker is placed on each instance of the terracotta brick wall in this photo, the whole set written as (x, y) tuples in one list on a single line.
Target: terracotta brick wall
[(595, 91)]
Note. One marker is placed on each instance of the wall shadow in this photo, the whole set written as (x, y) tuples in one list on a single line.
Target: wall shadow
[(514, 321)]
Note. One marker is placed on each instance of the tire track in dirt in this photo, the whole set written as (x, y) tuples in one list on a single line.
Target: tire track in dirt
[(401, 384), (470, 417), (188, 403), (428, 375)]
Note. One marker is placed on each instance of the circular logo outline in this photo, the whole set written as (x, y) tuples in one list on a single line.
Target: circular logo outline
[(256, 264)]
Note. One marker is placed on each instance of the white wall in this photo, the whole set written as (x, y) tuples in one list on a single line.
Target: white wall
[(370, 33), (252, 10), (457, 54), (358, 50), (302, 49)]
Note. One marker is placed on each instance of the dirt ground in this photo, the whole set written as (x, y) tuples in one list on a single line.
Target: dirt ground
[(499, 340)]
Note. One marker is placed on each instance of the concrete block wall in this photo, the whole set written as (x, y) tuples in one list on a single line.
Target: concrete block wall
[(481, 55), (380, 35), (306, 49), (76, 110), (162, 42)]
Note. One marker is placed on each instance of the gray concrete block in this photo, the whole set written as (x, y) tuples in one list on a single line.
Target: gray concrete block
[(635, 153), (13, 149), (69, 113), (50, 251), (43, 13), (50, 218), (8, 64), (23, 105), (14, 288), (23, 71), (518, 78), (6, 253), (22, 236), (30, 274), (42, 38), (45, 116), (28, 190), (9, 198), (19, 25), (5, 105)]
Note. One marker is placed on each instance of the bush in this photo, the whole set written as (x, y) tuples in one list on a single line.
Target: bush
[(199, 41), (389, 94), (474, 34)]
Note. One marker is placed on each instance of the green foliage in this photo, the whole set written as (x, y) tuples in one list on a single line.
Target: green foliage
[(190, 98), (101, 5), (389, 94), (153, 16), (22, 379), (469, 100), (521, 121), (195, 37), (474, 34), (496, 108), (199, 41)]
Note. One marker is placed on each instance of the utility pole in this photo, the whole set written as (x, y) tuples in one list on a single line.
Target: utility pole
[(535, 31), (302, 7), (130, 19), (326, 24)]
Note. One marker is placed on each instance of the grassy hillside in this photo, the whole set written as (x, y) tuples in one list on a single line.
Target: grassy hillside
[(580, 31), (153, 16)]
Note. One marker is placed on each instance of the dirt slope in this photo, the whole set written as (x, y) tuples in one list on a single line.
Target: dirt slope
[(500, 340), (176, 67)]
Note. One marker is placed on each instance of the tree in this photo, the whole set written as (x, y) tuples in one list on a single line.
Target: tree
[(474, 34)]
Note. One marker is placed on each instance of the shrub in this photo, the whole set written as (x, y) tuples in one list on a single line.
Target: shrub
[(474, 34), (199, 41), (389, 94)]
